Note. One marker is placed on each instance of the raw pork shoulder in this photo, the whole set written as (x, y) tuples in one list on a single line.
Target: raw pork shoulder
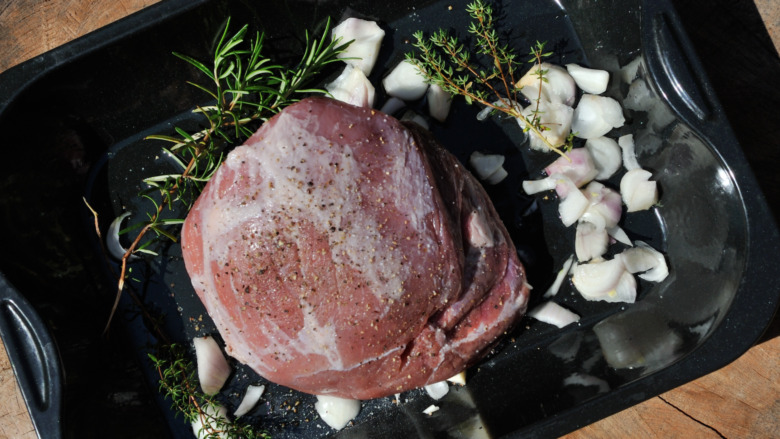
[(342, 252)]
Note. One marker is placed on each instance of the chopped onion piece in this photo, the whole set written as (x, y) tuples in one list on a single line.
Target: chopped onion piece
[(555, 116), (572, 207), (558, 86), (554, 314), (459, 379), (335, 411), (620, 235), (437, 390), (215, 415), (213, 368), (392, 105), (352, 87), (535, 186), (112, 238), (645, 259), (577, 165), (638, 191), (498, 176), (596, 280), (590, 242), (251, 397), (629, 155), (366, 37), (606, 206), (606, 156), (431, 409), (595, 116), (439, 102), (405, 81), (486, 164), (625, 291), (589, 80), (556, 285)]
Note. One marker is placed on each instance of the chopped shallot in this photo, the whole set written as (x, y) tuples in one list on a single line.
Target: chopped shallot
[(543, 184), (577, 165), (251, 397), (646, 260), (556, 117), (605, 206), (590, 241), (556, 285), (366, 37), (606, 156), (620, 235), (572, 206), (558, 86), (112, 238), (406, 82), (437, 390), (595, 116), (352, 87), (589, 80), (554, 314), (335, 411), (213, 368), (459, 379), (215, 416), (439, 102), (431, 409), (599, 280), (488, 166), (638, 191), (629, 154)]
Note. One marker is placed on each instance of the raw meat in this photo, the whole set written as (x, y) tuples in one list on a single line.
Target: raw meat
[(342, 252)]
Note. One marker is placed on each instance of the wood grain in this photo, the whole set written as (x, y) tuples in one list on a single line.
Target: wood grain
[(31, 27), (741, 400), (14, 420)]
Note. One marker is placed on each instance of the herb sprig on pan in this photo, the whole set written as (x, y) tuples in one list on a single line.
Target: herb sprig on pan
[(447, 62), (247, 88), (179, 383)]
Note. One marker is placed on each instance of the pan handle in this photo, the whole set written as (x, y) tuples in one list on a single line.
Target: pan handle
[(34, 359), (674, 67)]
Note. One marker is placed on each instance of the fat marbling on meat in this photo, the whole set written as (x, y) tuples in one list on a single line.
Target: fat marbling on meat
[(340, 251)]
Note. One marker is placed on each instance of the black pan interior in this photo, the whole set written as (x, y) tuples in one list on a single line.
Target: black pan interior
[(78, 133)]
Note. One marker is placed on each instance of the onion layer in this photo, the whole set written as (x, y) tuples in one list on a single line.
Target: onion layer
[(335, 411), (213, 368), (406, 82)]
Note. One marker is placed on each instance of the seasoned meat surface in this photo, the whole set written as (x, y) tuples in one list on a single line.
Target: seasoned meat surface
[(342, 252)]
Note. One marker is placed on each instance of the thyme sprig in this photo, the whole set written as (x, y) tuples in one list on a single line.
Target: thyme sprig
[(247, 88), (179, 383), (446, 62)]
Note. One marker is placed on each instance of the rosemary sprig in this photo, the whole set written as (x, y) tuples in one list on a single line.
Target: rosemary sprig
[(446, 62), (179, 383), (247, 88)]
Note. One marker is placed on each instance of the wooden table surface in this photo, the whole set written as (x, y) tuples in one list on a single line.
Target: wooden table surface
[(741, 400)]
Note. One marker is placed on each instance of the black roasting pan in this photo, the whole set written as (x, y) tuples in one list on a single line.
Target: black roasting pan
[(73, 121)]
